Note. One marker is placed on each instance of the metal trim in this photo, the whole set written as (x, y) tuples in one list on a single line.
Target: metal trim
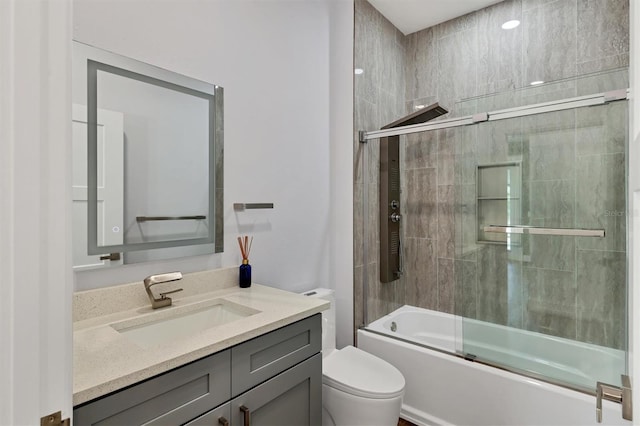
[(361, 136), (616, 95), (251, 206), (521, 111), (535, 230), (152, 218), (480, 117)]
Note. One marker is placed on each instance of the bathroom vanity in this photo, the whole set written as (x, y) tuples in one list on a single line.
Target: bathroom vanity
[(260, 365)]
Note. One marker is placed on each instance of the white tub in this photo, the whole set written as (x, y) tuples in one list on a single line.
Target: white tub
[(445, 389)]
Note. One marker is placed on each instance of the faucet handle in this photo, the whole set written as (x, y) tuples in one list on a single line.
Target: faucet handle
[(162, 278), (164, 295), (158, 279)]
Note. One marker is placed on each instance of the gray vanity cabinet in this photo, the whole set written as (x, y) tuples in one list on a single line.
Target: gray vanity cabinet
[(172, 398), (292, 398), (273, 379), (217, 417)]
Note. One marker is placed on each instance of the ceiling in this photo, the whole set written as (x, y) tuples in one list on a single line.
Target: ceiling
[(410, 16)]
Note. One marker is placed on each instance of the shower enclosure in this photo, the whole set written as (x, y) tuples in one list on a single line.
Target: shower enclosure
[(513, 210)]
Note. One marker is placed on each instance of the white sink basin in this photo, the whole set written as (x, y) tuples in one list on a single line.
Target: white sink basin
[(180, 323)]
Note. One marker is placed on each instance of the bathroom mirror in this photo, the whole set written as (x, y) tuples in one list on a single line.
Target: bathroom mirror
[(148, 166)]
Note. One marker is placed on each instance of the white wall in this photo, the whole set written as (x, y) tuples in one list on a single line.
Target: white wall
[(286, 68), (271, 57), (35, 210), (341, 115)]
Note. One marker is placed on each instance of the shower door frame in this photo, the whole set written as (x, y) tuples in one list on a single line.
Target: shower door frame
[(596, 99), (503, 114)]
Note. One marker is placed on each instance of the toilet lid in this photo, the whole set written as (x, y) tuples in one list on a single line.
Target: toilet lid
[(359, 373)]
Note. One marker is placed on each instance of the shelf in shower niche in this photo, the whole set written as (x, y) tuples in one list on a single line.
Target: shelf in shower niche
[(497, 198)]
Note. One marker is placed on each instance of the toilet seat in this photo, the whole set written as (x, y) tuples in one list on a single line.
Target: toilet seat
[(359, 373)]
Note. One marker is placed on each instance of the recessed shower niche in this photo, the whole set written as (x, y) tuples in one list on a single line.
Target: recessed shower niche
[(498, 195)]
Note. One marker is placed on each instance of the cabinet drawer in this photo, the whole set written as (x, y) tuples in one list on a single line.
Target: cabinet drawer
[(171, 398), (292, 398), (220, 416), (259, 359)]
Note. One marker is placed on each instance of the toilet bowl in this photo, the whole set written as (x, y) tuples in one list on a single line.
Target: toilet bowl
[(357, 388)]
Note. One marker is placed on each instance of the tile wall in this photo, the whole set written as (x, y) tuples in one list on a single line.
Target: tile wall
[(573, 165)]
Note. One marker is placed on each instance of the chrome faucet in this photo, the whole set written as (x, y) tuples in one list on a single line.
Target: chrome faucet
[(158, 279)]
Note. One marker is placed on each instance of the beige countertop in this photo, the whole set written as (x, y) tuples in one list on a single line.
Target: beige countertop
[(104, 360)]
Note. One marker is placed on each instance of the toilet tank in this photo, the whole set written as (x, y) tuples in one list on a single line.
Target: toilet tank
[(328, 319)]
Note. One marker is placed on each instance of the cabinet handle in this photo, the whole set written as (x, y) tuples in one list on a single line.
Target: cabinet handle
[(247, 415), (222, 421)]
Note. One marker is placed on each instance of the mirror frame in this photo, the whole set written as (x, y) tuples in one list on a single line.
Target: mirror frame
[(101, 60)]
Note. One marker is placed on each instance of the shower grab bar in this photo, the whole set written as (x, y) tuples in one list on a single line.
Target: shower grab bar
[(151, 218), (535, 230)]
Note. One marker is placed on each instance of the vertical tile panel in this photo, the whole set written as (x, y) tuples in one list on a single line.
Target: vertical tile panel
[(457, 59), (601, 200), (466, 291), (421, 273), (549, 42), (499, 51), (358, 296), (446, 222), (421, 205), (603, 32), (446, 156), (366, 55), (446, 286), (493, 275), (602, 298), (423, 56), (551, 302), (421, 150), (358, 224)]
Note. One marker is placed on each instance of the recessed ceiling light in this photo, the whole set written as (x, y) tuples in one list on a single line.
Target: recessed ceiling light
[(419, 106), (536, 83), (509, 25), (358, 71)]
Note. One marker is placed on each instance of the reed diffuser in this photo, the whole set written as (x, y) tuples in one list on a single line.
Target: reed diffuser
[(245, 268)]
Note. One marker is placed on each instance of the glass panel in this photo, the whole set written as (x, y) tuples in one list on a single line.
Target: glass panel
[(541, 303)]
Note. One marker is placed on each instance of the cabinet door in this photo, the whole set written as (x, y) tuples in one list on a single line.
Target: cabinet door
[(172, 398), (292, 398), (219, 416), (268, 355)]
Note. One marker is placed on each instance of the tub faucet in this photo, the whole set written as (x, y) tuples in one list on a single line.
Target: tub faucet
[(157, 279)]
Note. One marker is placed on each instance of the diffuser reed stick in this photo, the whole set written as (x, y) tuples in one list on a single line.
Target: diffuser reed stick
[(245, 246)]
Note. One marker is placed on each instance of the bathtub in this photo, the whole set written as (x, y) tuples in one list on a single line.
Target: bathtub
[(444, 389)]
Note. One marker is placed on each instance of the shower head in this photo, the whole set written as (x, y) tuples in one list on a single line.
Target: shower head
[(421, 116)]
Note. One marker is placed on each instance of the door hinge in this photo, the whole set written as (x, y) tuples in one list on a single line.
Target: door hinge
[(622, 395), (54, 419)]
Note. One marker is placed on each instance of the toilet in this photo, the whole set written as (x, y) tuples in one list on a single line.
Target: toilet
[(357, 388)]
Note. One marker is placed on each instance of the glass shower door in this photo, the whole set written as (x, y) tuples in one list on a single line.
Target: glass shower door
[(540, 267)]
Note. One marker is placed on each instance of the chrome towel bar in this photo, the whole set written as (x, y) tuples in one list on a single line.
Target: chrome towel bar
[(535, 230), (251, 206), (151, 218)]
